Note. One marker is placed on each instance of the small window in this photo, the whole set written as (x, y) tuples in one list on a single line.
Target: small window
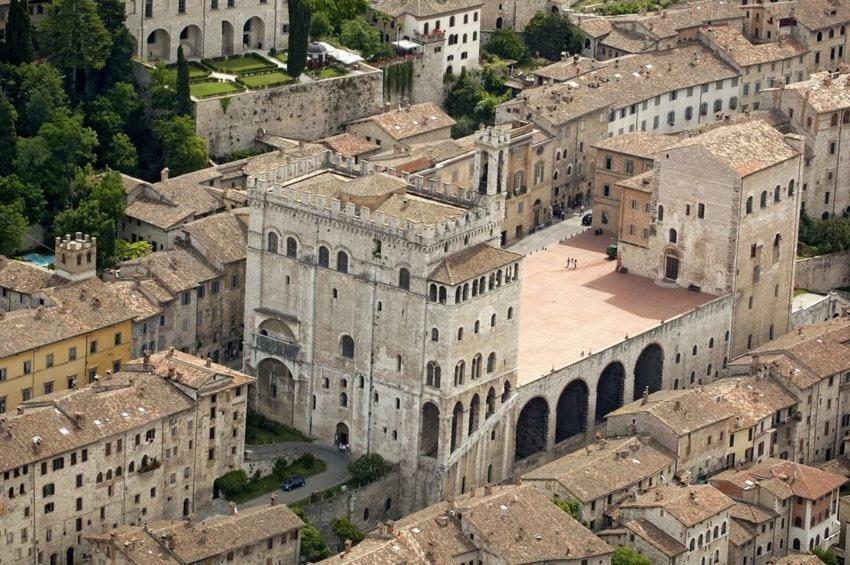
[(404, 279), (347, 347), (342, 262)]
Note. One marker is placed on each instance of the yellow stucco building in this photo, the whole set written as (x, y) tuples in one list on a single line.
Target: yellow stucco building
[(78, 330)]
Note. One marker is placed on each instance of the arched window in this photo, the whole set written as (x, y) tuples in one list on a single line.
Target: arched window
[(432, 293), (716, 531), (538, 173), (749, 205), (433, 373), (723, 528), (833, 120), (791, 187), (291, 247), (451, 21), (343, 399), (510, 313), (324, 256), (435, 334), (404, 279), (99, 478), (776, 194), (342, 262), (699, 541), (475, 287), (491, 362), (693, 544), (458, 295), (131, 467), (271, 242), (460, 370), (673, 236), (477, 327), (763, 200), (476, 367), (346, 346), (694, 351), (460, 334), (442, 297), (518, 181), (493, 321), (798, 522)]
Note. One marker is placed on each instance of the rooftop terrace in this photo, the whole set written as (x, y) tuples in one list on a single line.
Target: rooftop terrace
[(565, 315)]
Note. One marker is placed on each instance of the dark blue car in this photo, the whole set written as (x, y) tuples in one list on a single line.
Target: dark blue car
[(292, 483)]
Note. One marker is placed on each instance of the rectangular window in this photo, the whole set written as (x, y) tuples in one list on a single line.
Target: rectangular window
[(27, 367), (48, 360), (186, 298), (48, 387), (93, 346), (201, 291), (26, 394), (117, 338), (2, 373), (181, 6), (72, 353), (214, 287), (214, 4)]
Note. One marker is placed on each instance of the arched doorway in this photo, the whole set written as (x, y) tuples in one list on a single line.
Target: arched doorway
[(158, 46), (648, 370), (276, 391), (69, 556), (429, 433), (192, 41), (571, 414), (253, 33), (457, 426), (671, 267), (609, 390), (532, 427), (227, 34), (341, 436), (499, 23), (186, 508), (538, 206), (474, 410)]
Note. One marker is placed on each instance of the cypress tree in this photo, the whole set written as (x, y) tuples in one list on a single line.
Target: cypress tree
[(8, 138), (184, 102), (18, 46), (299, 18)]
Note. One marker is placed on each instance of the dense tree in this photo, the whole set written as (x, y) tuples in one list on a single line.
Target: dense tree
[(626, 556), (50, 159), (320, 26), (17, 48), (13, 227), (818, 237), (183, 150), (41, 97), (299, 18), (13, 190), (368, 468), (569, 506), (338, 11), (548, 35), (360, 35), (313, 546), (75, 38), (120, 154), (98, 206), (8, 136), (825, 555), (126, 251), (506, 44), (184, 99), (345, 530)]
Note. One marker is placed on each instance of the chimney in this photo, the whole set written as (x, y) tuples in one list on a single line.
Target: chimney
[(146, 356), (208, 362), (164, 174), (645, 398), (273, 501), (347, 549), (693, 496), (37, 442), (170, 352), (190, 520), (677, 405), (488, 490), (232, 508), (390, 527), (171, 372)]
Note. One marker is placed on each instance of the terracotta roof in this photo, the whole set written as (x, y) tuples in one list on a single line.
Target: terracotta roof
[(820, 14), (595, 27), (638, 143), (411, 121), (683, 411), (804, 559), (167, 203), (690, 504), (24, 277), (293, 152), (656, 537), (641, 182), (419, 210), (565, 70), (221, 238), (807, 355), (177, 269), (746, 54), (519, 524), (803, 481), (750, 399), (627, 41), (349, 144), (838, 466), (745, 148), (603, 468), (137, 301), (752, 513), (375, 184), (196, 373), (70, 310), (419, 156), (823, 93), (740, 532), (193, 542), (472, 262), (422, 8), (622, 82)]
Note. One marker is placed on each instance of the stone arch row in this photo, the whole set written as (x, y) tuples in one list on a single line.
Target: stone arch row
[(157, 43), (571, 410)]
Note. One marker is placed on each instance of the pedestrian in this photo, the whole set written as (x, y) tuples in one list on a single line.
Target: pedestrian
[(568, 262)]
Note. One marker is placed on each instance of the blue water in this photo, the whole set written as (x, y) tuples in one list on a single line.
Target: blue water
[(39, 259)]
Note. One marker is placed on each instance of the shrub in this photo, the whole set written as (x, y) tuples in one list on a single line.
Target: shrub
[(307, 460), (569, 506), (232, 483), (345, 530), (279, 466), (313, 546), (368, 468)]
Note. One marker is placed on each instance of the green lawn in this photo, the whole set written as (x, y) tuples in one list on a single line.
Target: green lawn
[(272, 482), (197, 70), (240, 64), (327, 72), (282, 56), (260, 430), (275, 78), (212, 88)]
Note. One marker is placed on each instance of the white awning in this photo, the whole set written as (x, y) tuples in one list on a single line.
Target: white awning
[(341, 55), (405, 44)]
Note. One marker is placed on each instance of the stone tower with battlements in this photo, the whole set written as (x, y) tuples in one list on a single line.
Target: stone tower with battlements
[(76, 256)]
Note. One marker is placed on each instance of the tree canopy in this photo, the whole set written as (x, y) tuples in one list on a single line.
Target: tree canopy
[(506, 44), (626, 556), (8, 136), (17, 48), (549, 35), (360, 35), (184, 151)]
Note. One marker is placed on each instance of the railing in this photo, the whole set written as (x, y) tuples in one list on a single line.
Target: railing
[(277, 347)]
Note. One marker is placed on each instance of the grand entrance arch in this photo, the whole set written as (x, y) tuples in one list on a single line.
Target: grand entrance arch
[(158, 45), (253, 33), (571, 414), (532, 428), (648, 370), (276, 391), (609, 389), (192, 40), (429, 432), (227, 37)]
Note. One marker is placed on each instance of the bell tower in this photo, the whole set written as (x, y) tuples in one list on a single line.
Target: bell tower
[(491, 160)]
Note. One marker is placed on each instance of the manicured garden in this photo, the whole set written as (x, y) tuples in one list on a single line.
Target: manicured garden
[(261, 430), (265, 80), (239, 64), (327, 72), (204, 89)]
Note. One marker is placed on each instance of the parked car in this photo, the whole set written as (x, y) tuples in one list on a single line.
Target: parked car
[(292, 483), (587, 219)]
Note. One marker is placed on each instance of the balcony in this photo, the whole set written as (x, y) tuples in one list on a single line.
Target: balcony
[(276, 347)]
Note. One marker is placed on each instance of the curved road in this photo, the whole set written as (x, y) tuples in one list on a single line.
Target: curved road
[(335, 473)]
